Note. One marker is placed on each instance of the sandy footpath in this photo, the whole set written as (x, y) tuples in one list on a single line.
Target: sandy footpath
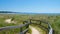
[(34, 30)]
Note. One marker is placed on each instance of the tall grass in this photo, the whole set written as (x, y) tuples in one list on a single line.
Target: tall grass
[(54, 20)]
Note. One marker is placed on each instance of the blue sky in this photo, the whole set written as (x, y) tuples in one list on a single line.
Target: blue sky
[(31, 6)]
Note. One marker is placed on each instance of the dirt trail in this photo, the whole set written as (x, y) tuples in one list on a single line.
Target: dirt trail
[(34, 30)]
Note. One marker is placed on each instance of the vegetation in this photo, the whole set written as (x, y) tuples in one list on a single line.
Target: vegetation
[(17, 18), (54, 20), (7, 12)]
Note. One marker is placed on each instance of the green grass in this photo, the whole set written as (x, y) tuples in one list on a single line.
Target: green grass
[(54, 20), (29, 31), (18, 18)]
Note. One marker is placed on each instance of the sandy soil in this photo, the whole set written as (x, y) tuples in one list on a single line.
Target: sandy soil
[(9, 21), (34, 30)]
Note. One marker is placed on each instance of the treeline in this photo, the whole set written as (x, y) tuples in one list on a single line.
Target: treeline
[(7, 12)]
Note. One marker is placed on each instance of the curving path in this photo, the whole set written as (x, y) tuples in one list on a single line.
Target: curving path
[(34, 30)]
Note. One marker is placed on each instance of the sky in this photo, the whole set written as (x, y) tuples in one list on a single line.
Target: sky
[(31, 6)]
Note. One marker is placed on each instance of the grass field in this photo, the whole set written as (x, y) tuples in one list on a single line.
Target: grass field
[(54, 20), (17, 18)]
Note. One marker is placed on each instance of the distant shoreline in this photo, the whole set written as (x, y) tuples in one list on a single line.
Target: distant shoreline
[(34, 13)]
